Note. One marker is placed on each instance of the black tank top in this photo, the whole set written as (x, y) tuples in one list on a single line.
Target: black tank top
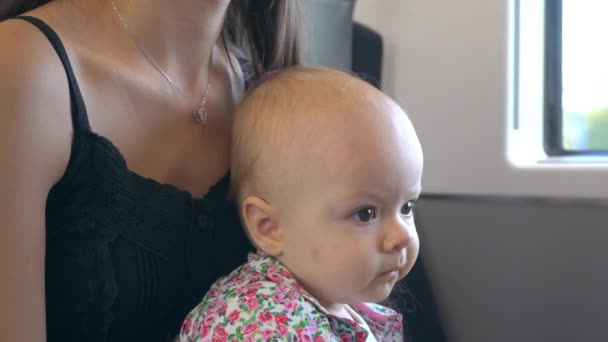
[(126, 256)]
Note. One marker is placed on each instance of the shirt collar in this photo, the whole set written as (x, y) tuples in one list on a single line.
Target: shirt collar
[(383, 322)]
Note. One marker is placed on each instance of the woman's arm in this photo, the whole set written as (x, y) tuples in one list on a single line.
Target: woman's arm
[(35, 138)]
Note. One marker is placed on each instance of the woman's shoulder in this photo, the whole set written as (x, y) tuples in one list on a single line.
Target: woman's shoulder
[(34, 94), (24, 45), (29, 65)]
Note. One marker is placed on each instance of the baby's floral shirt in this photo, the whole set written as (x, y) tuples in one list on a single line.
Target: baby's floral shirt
[(261, 301)]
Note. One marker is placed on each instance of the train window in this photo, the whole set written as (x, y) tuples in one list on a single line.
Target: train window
[(575, 77)]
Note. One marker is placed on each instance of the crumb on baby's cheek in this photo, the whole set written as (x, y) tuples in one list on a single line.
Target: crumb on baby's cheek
[(316, 256)]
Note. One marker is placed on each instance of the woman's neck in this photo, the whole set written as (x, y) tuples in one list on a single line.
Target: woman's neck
[(179, 35), (180, 32)]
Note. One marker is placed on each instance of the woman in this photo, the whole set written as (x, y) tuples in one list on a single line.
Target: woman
[(114, 140)]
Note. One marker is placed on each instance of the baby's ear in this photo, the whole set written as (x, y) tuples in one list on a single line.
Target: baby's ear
[(260, 220)]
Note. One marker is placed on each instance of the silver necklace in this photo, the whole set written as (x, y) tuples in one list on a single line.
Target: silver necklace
[(200, 114)]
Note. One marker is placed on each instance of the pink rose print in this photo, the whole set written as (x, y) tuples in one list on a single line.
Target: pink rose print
[(291, 306), (312, 328), (219, 335), (361, 336), (204, 330), (293, 295), (285, 273), (252, 303), (217, 303), (251, 327), (282, 330), (251, 293), (274, 277), (279, 298), (319, 339), (248, 339), (223, 309), (267, 334), (280, 319), (256, 286), (303, 336), (234, 315), (187, 326), (345, 337), (208, 319), (264, 316)]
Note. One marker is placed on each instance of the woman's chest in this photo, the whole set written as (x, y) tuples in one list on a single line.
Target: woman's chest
[(155, 128), (134, 268)]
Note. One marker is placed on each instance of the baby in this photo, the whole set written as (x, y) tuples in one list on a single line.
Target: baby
[(326, 170)]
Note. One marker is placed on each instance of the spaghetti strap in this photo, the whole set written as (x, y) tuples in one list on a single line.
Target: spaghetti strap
[(80, 119)]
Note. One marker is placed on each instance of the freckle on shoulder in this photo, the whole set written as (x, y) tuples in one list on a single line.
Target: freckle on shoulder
[(8, 37), (14, 33)]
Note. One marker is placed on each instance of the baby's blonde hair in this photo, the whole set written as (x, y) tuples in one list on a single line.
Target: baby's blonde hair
[(269, 116)]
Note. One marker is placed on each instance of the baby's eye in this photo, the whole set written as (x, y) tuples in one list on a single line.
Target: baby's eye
[(407, 208), (365, 214)]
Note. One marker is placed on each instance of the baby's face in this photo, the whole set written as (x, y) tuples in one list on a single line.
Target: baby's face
[(348, 228)]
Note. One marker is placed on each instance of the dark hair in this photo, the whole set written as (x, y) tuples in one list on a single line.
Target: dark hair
[(265, 31), (11, 8)]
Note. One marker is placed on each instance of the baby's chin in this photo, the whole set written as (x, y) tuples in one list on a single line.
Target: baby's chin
[(407, 268), (403, 272), (376, 291), (376, 295)]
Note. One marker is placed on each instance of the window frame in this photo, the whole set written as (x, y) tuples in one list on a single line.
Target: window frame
[(552, 92), (553, 130)]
